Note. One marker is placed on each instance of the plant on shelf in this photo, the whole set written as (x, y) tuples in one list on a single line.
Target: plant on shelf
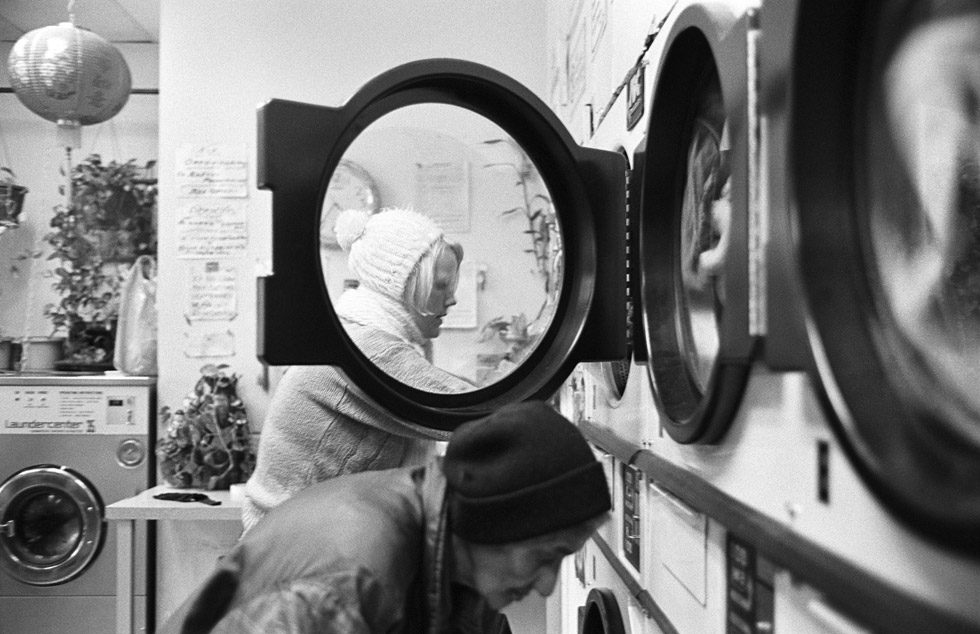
[(108, 221), (207, 444)]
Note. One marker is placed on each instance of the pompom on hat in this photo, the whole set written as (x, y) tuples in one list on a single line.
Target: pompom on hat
[(384, 247), (521, 472)]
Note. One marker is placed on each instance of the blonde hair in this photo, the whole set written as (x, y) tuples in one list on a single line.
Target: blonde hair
[(418, 286)]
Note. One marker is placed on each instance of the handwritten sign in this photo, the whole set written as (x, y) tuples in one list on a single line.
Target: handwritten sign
[(212, 229), (577, 62), (598, 17), (209, 343), (212, 171), (442, 193), (213, 294)]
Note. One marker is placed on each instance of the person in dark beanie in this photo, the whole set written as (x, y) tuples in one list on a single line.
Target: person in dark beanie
[(434, 549)]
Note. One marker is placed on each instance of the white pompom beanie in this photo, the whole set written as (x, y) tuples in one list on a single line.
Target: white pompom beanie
[(384, 247)]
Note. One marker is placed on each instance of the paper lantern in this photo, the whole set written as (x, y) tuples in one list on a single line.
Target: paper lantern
[(69, 75)]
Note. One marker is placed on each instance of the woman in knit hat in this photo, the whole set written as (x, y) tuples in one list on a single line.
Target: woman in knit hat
[(319, 425)]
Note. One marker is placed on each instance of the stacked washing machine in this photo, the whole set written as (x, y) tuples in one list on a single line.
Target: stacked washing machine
[(793, 440), (69, 446)]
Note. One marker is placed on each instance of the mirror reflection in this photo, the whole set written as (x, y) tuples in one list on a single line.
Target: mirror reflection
[(924, 187), (704, 219), (440, 248)]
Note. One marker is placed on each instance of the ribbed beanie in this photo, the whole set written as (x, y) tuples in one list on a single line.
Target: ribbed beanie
[(521, 472), (384, 247)]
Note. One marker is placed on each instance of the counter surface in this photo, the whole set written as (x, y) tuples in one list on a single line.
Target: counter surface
[(145, 507)]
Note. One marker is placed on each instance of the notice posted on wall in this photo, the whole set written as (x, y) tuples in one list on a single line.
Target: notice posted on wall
[(213, 293), (442, 193), (201, 343), (212, 229), (212, 171)]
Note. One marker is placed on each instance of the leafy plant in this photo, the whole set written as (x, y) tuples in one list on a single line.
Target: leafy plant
[(109, 221), (538, 212), (517, 331), (208, 441)]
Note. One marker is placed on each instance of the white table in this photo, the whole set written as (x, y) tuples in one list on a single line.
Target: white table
[(145, 507)]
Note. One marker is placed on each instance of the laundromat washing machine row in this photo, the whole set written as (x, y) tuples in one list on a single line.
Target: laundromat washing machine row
[(793, 442), (761, 311)]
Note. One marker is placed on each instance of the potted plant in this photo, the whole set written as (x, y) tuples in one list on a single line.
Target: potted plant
[(108, 221), (11, 199), (207, 444)]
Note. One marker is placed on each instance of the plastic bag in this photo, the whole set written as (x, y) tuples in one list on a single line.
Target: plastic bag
[(136, 337)]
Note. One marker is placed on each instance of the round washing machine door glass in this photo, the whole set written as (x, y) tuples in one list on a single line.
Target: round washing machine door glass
[(529, 280), (888, 173), (52, 525), (692, 227)]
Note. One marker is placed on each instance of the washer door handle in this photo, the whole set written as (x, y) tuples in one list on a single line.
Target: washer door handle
[(7, 528)]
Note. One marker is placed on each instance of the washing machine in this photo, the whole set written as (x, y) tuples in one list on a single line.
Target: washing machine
[(69, 446), (882, 235), (443, 109), (692, 223), (823, 448)]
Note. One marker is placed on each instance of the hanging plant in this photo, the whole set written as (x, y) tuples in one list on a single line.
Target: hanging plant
[(11, 199)]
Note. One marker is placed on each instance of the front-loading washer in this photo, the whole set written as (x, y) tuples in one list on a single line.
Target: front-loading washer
[(69, 446), (693, 227), (874, 192)]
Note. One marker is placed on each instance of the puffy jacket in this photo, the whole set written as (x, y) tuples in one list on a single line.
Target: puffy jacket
[(365, 553)]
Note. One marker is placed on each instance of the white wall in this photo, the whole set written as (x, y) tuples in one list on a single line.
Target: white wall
[(219, 60)]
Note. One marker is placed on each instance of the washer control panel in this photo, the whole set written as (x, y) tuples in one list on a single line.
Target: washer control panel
[(28, 409)]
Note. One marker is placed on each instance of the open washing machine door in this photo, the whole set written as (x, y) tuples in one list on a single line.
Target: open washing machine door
[(879, 142), (52, 525), (407, 138), (600, 614), (692, 219)]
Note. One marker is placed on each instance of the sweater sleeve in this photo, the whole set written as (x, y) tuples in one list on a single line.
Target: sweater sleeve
[(403, 361)]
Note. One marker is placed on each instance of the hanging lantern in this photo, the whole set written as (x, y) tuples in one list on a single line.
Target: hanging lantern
[(69, 75)]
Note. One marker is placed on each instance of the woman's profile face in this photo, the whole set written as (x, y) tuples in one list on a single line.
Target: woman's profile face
[(443, 295)]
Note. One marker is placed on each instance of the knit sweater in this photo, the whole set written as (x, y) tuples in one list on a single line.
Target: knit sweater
[(320, 426)]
